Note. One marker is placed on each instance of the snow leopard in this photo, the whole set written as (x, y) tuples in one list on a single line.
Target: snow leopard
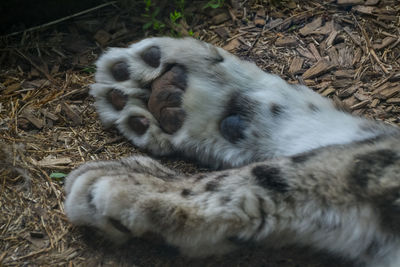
[(289, 167)]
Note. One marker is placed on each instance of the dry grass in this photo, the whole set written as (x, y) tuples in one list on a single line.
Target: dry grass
[(48, 124)]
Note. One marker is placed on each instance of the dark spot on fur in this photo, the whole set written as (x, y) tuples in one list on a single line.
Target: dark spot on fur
[(313, 107), (256, 134), (372, 165), (390, 210), (186, 192), (138, 124), (276, 109), (152, 56), (221, 176), (225, 199), (303, 157), (374, 247), (240, 105), (200, 177), (270, 177), (240, 242), (262, 213), (120, 71), (214, 56), (118, 225), (89, 199), (211, 186), (117, 99)]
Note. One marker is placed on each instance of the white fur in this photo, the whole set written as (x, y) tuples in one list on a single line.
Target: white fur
[(322, 210)]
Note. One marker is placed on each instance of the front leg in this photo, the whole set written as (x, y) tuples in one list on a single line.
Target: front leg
[(202, 215), (344, 200)]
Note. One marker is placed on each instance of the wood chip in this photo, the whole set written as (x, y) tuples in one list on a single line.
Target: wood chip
[(220, 18), (385, 42), (71, 114), (305, 53), (222, 32), (296, 65), (310, 27), (232, 45), (345, 57), (259, 22), (333, 55), (286, 41), (49, 115), (371, 2), (348, 91), (395, 100), (368, 10), (314, 51), (259, 19), (328, 91), (102, 37), (356, 38), (388, 93), (374, 103), (331, 38), (350, 2), (51, 161), (35, 121), (318, 69), (344, 73), (342, 83), (360, 105)]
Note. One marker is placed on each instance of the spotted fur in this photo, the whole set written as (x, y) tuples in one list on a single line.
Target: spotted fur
[(307, 173)]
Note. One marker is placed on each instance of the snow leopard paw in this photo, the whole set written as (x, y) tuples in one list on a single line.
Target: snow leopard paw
[(167, 95)]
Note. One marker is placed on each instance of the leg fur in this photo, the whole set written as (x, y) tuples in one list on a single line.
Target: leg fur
[(348, 207)]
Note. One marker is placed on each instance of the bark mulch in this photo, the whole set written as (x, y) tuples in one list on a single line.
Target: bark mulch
[(347, 50)]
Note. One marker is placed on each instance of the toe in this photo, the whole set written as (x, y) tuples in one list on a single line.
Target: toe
[(117, 99), (152, 56), (138, 124), (120, 71)]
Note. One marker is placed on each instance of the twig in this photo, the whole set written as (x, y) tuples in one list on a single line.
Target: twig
[(59, 20), (45, 73), (277, 25), (370, 48)]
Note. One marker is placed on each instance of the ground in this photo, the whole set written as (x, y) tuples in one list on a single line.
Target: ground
[(347, 50)]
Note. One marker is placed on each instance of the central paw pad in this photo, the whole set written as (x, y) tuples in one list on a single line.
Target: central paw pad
[(166, 99)]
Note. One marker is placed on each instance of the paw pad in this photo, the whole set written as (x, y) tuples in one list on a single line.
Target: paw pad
[(138, 124), (232, 128), (166, 98), (120, 71), (152, 56), (171, 119), (117, 99)]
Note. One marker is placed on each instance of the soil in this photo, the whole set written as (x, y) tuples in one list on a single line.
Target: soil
[(346, 50)]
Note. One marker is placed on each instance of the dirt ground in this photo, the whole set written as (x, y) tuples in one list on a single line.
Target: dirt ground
[(347, 50)]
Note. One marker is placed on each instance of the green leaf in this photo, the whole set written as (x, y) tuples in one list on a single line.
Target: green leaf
[(57, 175), (147, 25)]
